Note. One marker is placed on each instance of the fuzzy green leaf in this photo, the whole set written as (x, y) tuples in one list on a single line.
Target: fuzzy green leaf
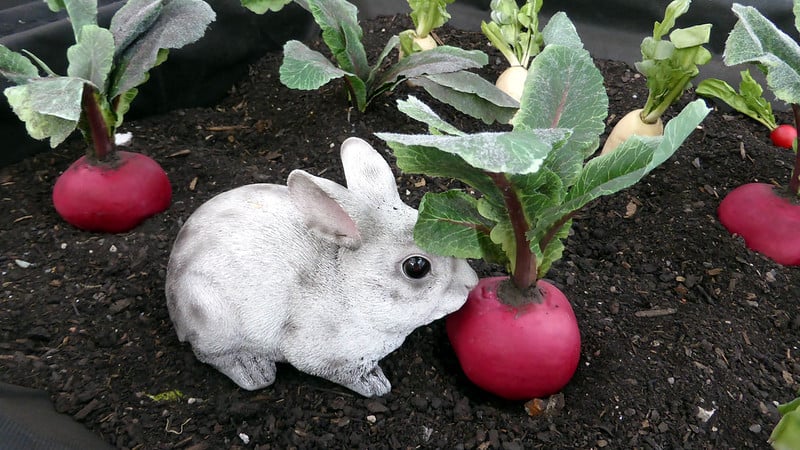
[(561, 31), (132, 20), (754, 39), (470, 94), (786, 434), (262, 6), (15, 67), (50, 107), (417, 110), (517, 152), (81, 13), (181, 22), (442, 59), (431, 161), (564, 89), (306, 69), (92, 57), (338, 20), (449, 224)]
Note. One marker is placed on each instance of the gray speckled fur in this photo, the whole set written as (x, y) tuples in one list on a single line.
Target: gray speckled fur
[(309, 274)]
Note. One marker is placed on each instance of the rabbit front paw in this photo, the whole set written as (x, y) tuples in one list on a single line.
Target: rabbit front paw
[(249, 371), (369, 384)]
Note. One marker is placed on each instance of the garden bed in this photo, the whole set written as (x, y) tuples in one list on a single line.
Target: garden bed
[(688, 337)]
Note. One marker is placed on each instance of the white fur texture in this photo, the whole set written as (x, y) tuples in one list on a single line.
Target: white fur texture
[(310, 274)]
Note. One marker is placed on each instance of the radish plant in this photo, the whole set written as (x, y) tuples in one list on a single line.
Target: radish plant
[(669, 66), (766, 216), (750, 101), (307, 69), (514, 31), (426, 15), (517, 336), (105, 190)]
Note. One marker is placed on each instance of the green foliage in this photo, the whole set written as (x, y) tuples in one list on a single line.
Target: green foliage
[(426, 15), (534, 177), (514, 30), (111, 62), (754, 39), (749, 100), (307, 69), (262, 6), (786, 434), (670, 65)]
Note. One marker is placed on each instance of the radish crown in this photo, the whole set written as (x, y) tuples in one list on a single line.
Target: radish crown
[(514, 30), (533, 179), (105, 67)]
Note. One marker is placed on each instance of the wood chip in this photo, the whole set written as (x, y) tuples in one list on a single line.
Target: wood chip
[(193, 184), (630, 210), (658, 312), (183, 152), (714, 272)]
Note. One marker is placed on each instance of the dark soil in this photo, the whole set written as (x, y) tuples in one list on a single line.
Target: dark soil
[(86, 320)]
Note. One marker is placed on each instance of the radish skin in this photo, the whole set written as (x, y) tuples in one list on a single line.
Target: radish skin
[(111, 198), (631, 124), (512, 81), (768, 221), (518, 353)]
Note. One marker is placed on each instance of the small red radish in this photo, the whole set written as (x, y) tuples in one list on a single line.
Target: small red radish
[(784, 136), (768, 221), (114, 197), (517, 353)]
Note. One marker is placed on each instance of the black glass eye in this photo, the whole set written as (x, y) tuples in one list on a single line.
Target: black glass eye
[(416, 267)]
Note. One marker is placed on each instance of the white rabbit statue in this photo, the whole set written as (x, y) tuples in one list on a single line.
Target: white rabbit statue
[(323, 277)]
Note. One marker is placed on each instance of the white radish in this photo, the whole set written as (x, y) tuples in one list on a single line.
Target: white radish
[(629, 125), (512, 81)]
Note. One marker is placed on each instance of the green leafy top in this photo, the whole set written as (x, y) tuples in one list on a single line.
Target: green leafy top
[(534, 178), (514, 30), (262, 6), (670, 65), (105, 66), (307, 69), (786, 435), (427, 15), (749, 100)]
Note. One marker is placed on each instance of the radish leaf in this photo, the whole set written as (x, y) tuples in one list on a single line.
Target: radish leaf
[(15, 67), (749, 100), (92, 57), (455, 214), (45, 114), (306, 69), (262, 6), (754, 39)]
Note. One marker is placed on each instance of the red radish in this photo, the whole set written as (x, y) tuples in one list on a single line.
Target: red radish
[(112, 198), (768, 221), (517, 353), (784, 136)]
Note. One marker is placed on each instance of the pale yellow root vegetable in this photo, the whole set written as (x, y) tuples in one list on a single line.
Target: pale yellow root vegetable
[(512, 80), (629, 125), (426, 43)]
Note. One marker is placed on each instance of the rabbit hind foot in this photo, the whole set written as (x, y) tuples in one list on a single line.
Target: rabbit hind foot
[(371, 383)]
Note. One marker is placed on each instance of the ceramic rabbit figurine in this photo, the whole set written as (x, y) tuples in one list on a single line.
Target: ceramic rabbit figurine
[(323, 277)]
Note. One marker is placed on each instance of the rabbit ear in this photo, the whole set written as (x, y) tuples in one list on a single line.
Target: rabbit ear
[(367, 173), (323, 206)]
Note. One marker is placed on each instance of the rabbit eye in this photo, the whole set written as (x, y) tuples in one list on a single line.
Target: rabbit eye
[(416, 267)]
